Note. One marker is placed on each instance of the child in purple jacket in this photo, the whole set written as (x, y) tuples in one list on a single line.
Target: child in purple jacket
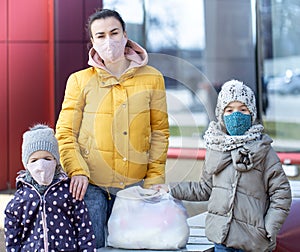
[(43, 215)]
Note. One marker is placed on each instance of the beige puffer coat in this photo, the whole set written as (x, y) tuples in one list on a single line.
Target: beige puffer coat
[(247, 205), (115, 131)]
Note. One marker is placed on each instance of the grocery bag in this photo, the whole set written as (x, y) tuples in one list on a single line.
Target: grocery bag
[(147, 219)]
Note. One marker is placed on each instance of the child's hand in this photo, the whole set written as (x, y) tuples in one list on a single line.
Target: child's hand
[(159, 187)]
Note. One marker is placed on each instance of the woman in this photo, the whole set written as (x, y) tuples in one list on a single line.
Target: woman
[(113, 127)]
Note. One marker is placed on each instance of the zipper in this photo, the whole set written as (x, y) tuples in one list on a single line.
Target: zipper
[(44, 223), (108, 193)]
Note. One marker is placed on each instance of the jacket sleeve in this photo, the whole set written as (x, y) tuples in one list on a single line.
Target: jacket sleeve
[(159, 134), (85, 233), (279, 191), (193, 190), (13, 229), (67, 129)]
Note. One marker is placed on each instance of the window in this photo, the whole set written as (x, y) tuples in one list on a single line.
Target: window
[(280, 71), (198, 45)]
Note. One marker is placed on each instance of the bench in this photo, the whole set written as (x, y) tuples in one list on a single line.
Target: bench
[(295, 187)]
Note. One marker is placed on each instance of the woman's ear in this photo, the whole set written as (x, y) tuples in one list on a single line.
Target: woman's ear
[(125, 34)]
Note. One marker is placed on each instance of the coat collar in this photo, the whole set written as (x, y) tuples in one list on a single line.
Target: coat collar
[(243, 158)]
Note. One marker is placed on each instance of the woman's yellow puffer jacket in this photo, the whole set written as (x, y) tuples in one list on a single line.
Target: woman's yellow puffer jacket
[(114, 131)]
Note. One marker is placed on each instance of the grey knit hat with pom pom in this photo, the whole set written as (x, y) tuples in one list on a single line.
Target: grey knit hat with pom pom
[(39, 138), (235, 90)]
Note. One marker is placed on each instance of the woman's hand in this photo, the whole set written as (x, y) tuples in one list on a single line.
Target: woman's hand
[(78, 186), (159, 187)]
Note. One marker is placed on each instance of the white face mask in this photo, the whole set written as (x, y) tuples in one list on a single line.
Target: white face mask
[(42, 171), (111, 50)]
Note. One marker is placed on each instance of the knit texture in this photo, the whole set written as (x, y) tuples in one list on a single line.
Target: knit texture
[(39, 138), (235, 90)]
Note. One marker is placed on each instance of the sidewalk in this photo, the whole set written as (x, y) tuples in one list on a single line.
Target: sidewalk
[(5, 197)]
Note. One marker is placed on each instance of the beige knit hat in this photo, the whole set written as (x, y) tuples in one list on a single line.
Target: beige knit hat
[(235, 90)]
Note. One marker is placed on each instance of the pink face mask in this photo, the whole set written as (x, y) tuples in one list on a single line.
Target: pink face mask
[(111, 50), (42, 171)]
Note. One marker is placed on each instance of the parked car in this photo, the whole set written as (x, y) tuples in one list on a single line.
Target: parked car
[(289, 83), (288, 238)]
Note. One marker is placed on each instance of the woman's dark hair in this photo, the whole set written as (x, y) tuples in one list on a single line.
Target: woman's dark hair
[(101, 14)]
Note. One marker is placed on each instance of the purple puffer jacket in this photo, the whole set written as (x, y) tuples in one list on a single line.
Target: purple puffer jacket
[(54, 221)]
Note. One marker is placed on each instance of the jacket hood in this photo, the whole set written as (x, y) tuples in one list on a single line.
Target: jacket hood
[(136, 54)]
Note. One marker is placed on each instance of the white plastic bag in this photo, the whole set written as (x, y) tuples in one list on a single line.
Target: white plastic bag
[(147, 219)]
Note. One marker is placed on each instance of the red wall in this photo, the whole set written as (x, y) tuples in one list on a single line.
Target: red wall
[(71, 39), (27, 77), (41, 43), (3, 95)]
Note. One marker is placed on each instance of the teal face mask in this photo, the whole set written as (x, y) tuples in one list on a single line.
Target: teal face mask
[(237, 123)]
